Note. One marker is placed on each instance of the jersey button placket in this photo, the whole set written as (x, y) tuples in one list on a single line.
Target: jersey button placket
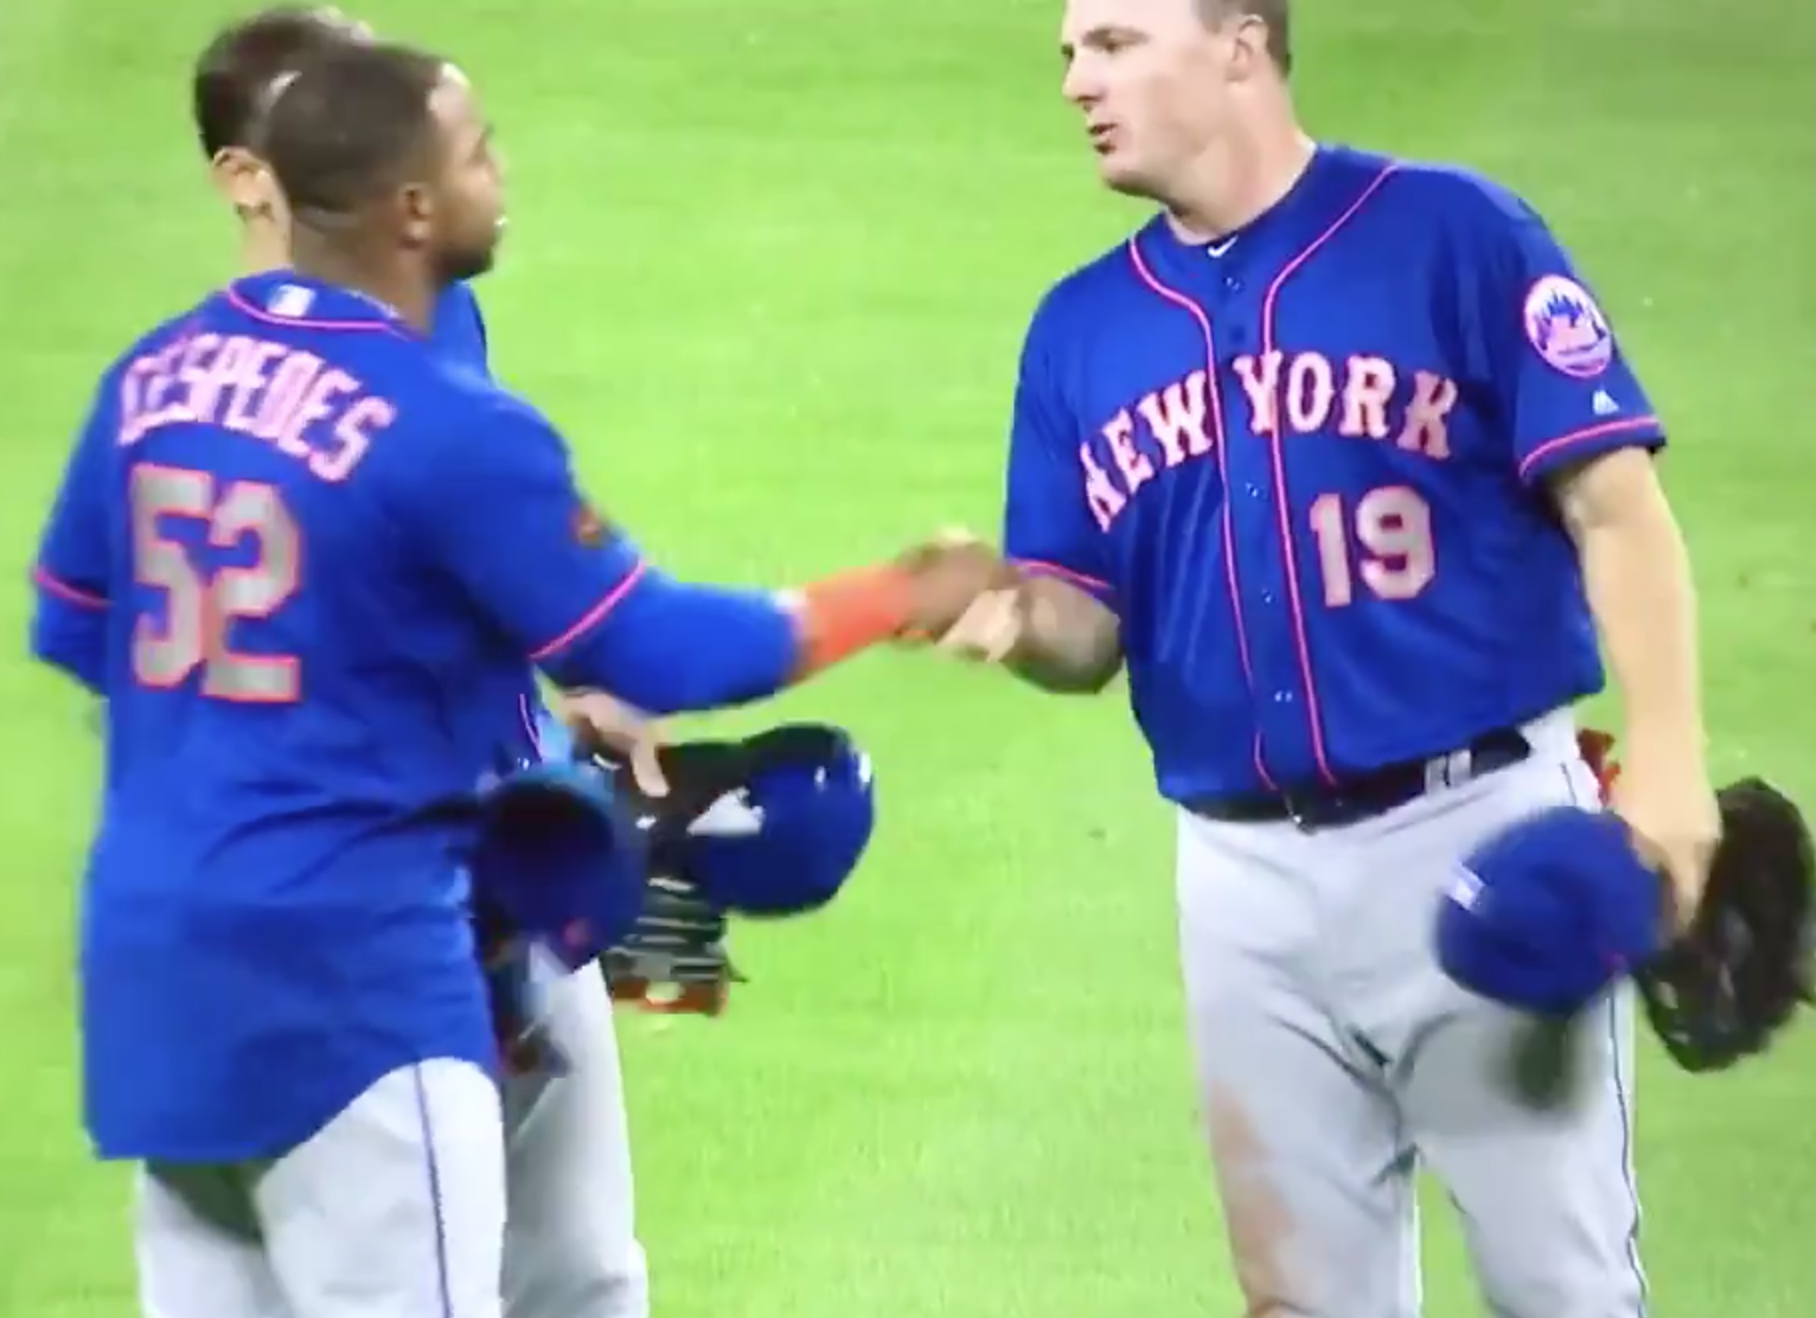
[(1237, 332), (1235, 329), (1263, 590)]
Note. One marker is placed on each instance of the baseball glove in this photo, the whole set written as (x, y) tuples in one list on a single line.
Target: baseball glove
[(767, 827), (675, 960), (1724, 988)]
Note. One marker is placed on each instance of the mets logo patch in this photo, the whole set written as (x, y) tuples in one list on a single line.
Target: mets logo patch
[(1567, 328)]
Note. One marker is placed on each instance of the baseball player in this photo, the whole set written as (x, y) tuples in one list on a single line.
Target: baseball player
[(303, 557), (571, 1249), (1339, 459)]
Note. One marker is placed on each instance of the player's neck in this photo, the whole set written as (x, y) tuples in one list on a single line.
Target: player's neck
[(262, 247), (398, 287), (1242, 176)]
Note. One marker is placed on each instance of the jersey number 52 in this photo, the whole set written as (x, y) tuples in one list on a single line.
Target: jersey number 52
[(1383, 538), (201, 608)]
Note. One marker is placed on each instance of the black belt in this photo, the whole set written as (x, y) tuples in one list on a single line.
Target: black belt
[(1351, 800)]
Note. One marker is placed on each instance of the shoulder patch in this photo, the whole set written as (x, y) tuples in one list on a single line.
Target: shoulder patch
[(1566, 327)]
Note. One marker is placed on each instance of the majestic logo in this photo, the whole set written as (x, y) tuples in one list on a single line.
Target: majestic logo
[(1567, 328)]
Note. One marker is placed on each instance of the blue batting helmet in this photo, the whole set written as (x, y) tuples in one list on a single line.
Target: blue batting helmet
[(787, 836)]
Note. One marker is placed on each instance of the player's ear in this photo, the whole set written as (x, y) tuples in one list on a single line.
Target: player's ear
[(1248, 49), (416, 214), (245, 181)]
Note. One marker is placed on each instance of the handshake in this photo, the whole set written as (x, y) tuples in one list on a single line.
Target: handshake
[(962, 597), (953, 591)]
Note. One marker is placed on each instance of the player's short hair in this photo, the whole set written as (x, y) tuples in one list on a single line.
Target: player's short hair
[(1274, 14), (237, 71), (351, 125)]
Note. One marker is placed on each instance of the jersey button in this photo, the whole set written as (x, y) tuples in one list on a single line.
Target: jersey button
[(1232, 283)]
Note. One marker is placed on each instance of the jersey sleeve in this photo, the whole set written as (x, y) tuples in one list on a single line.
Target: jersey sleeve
[(500, 510), (71, 572), (1048, 526), (1557, 371)]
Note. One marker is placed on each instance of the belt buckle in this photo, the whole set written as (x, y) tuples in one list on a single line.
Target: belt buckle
[(1343, 804), (1301, 810)]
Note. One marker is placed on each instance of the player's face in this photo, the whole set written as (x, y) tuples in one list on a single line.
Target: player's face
[(466, 218), (1152, 81)]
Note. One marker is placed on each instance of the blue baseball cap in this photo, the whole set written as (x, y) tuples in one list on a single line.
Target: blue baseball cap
[(1547, 913)]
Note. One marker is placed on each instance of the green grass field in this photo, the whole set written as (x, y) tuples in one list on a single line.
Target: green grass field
[(791, 244)]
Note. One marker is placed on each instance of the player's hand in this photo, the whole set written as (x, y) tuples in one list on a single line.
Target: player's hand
[(604, 724), (1668, 804), (948, 574), (988, 630)]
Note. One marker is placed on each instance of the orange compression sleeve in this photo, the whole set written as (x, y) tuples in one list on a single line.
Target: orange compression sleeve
[(844, 614)]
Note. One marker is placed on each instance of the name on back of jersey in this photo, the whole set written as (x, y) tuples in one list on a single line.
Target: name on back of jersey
[(276, 393)]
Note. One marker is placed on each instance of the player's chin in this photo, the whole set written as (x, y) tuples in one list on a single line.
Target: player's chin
[(471, 265), (1122, 174)]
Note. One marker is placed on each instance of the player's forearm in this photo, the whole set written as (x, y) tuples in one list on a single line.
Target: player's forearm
[(671, 647), (1636, 572), (1069, 643)]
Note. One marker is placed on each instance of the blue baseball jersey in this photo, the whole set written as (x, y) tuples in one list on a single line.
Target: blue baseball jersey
[(459, 333), (1307, 469), (458, 330), (308, 561)]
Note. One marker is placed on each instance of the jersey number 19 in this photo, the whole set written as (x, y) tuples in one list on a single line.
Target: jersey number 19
[(1393, 552)]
